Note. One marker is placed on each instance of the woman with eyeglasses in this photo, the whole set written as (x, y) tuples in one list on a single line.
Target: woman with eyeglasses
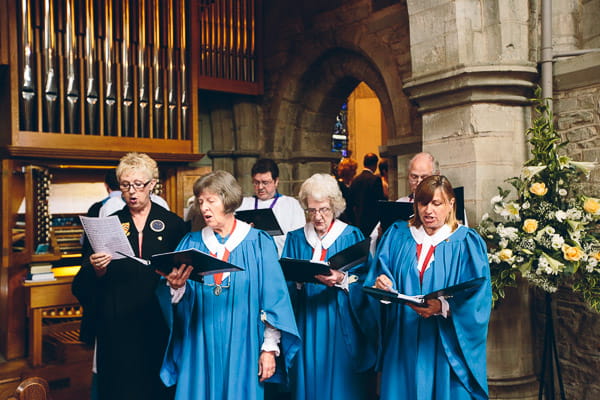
[(436, 352), (121, 313), (234, 330), (334, 352)]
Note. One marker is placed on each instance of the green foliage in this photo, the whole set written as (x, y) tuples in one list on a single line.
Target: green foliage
[(547, 232)]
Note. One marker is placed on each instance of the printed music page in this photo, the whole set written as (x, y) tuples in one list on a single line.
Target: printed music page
[(106, 236)]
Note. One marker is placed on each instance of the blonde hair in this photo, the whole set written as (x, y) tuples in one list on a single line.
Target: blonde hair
[(138, 162), (323, 187)]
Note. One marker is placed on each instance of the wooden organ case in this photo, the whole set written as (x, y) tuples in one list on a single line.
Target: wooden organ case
[(82, 82)]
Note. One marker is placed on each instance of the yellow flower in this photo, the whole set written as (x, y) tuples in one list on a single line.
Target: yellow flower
[(571, 253), (591, 205), (505, 254), (596, 256), (538, 188), (530, 225)]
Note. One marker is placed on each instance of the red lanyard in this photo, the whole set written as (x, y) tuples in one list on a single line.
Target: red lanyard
[(426, 262), (323, 249), (219, 277)]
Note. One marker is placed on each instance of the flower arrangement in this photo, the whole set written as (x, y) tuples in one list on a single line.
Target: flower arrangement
[(548, 233)]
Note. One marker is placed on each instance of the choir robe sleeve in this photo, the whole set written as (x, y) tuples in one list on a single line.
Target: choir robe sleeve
[(464, 333)]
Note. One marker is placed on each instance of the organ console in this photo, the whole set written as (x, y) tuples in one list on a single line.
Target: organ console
[(81, 84)]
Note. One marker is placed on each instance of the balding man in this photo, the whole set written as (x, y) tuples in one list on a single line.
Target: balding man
[(420, 167)]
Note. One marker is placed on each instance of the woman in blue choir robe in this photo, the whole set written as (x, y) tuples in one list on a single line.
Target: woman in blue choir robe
[(227, 331), (334, 354), (437, 352)]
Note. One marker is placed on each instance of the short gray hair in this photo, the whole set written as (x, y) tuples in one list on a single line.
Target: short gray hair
[(435, 166), (323, 187), (224, 185)]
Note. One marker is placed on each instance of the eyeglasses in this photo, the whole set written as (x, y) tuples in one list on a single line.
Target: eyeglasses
[(263, 183), (416, 178), (313, 211), (126, 186)]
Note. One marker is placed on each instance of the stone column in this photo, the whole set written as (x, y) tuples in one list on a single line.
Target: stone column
[(471, 80)]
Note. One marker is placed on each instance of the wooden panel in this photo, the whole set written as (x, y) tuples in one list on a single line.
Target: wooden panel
[(4, 43), (49, 294)]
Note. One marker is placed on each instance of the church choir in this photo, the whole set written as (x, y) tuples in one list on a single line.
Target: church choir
[(250, 334)]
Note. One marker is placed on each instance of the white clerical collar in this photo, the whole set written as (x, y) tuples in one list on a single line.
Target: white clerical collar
[(323, 243), (210, 239), (427, 241)]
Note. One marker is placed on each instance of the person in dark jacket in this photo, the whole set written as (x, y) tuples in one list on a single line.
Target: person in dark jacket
[(366, 190), (122, 316)]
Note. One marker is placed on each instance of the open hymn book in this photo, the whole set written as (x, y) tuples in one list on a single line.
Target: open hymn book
[(204, 264), (393, 296), (305, 270)]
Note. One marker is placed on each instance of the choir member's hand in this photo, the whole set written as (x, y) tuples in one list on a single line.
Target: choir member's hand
[(266, 365), (178, 276), (383, 282), (336, 277), (99, 262), (434, 307)]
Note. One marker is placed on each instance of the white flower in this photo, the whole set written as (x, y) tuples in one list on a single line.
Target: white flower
[(589, 268), (525, 206), (496, 199), (530, 172), (503, 243), (485, 217), (562, 192), (563, 161), (574, 214), (557, 241), (560, 215), (576, 236), (583, 166), (508, 232), (554, 266), (511, 211), (549, 230)]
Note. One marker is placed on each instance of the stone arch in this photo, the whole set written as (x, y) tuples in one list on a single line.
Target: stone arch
[(305, 120)]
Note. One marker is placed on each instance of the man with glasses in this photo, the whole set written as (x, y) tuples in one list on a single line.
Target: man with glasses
[(287, 210), (420, 167), (115, 201)]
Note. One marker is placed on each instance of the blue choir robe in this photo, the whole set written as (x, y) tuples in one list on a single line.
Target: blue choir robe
[(215, 341), (435, 358), (335, 352)]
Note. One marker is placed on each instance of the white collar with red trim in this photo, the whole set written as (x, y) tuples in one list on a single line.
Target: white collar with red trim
[(317, 243), (237, 236), (427, 241)]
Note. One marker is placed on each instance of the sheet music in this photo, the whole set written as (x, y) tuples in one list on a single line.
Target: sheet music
[(106, 236)]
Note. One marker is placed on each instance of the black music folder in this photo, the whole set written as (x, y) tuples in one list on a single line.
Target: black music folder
[(305, 270), (421, 300), (204, 264), (263, 219), (392, 211), (459, 194)]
